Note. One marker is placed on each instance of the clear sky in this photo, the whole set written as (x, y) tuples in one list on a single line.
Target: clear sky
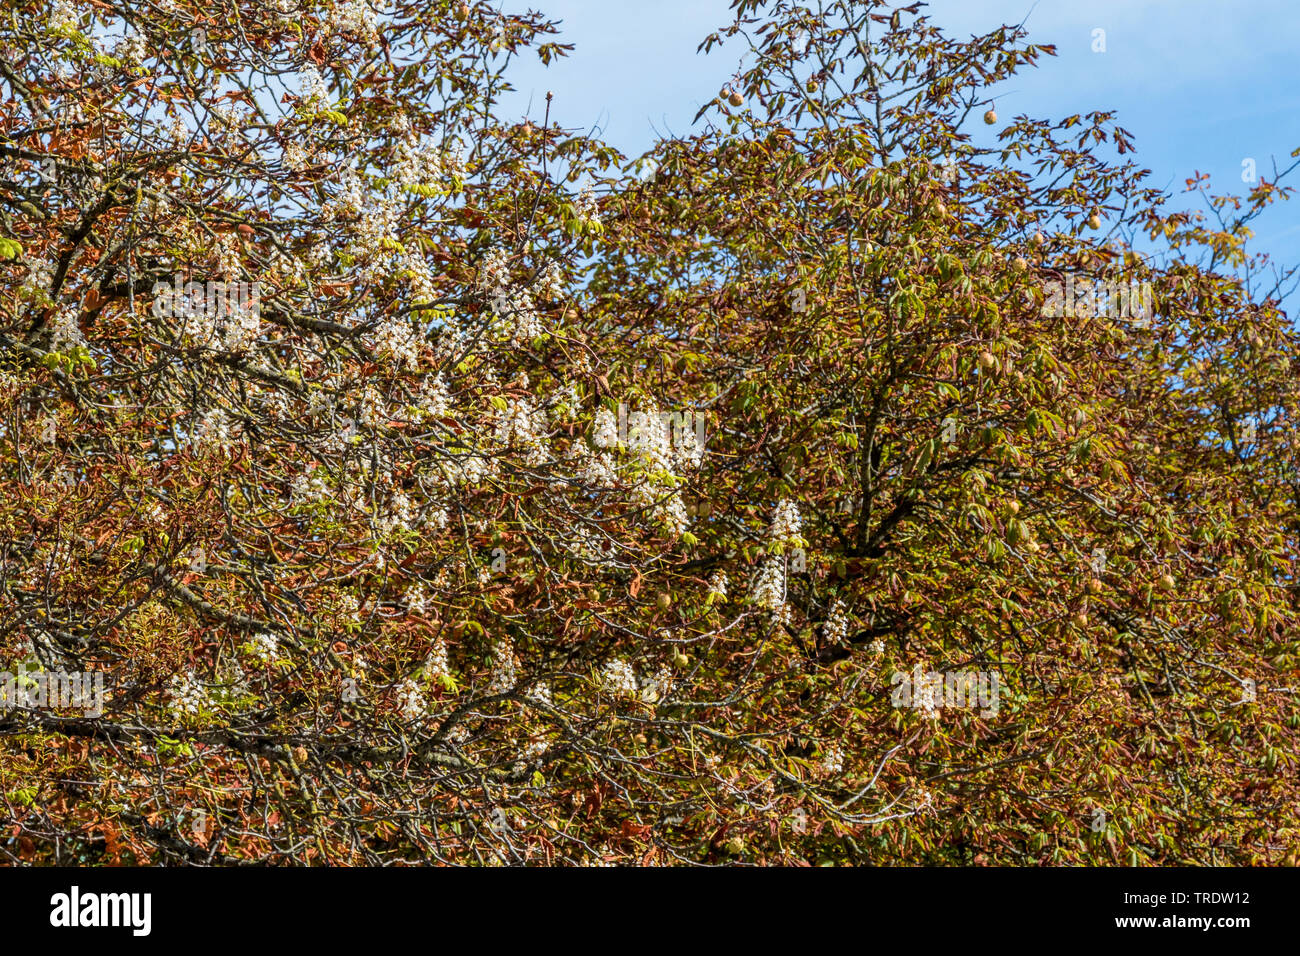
[(1201, 84)]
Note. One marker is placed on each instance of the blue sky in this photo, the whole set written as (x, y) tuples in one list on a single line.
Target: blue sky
[(1201, 84)]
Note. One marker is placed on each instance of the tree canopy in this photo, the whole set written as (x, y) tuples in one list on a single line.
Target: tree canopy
[(433, 486)]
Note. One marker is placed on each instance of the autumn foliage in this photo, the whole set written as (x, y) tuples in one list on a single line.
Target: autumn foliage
[(394, 561)]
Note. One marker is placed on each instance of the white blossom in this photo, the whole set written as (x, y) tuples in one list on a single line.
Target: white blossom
[(308, 488), (606, 429), (550, 281), (214, 430), (63, 16), (185, 693), (769, 588), (436, 664), (266, 647), (832, 760), (131, 49), (540, 693), (505, 668), (410, 700), (656, 688), (315, 91), (786, 524), (837, 623), (619, 678), (416, 599), (354, 17), (586, 206), (64, 330)]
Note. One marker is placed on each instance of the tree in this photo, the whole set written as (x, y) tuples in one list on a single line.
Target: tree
[(503, 523)]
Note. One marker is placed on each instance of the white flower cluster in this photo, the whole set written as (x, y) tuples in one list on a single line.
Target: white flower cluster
[(688, 448), (218, 320), (40, 276), (373, 409), (535, 749), (400, 515), (436, 517), (550, 284), (509, 301), (395, 338), (927, 695), (418, 163), (62, 17), (520, 312), (648, 434), (410, 700), (354, 17), (665, 441), (670, 512), (586, 206), (239, 330), (315, 92), (308, 488), (233, 681), (494, 271), (619, 678), (648, 437), (185, 694), (769, 589), (214, 430), (266, 647), (434, 399), (718, 585), (436, 664), (420, 278), (832, 761), (64, 330), (837, 623), (178, 133), (786, 524), (416, 599), (294, 156), (656, 688), (505, 668), (523, 426), (468, 469), (275, 403), (131, 49), (597, 470), (229, 260), (605, 431), (231, 117)]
